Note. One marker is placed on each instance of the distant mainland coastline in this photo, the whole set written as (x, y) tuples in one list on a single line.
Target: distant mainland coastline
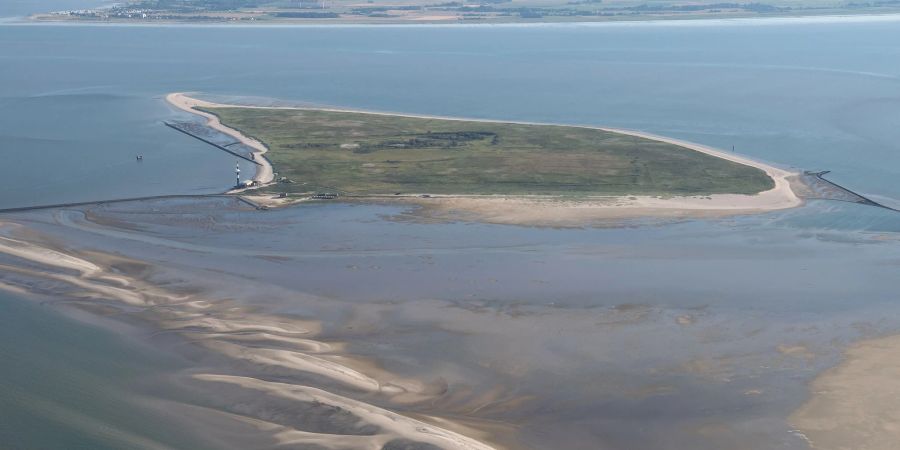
[(375, 12)]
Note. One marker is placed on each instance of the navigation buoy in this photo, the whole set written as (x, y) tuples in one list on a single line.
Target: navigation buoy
[(237, 174)]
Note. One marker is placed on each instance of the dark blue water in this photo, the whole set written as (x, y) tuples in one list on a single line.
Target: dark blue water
[(78, 102)]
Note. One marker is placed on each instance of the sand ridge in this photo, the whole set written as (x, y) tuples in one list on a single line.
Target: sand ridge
[(268, 343)]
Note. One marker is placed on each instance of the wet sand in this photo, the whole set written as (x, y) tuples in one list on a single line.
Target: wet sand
[(856, 405), (557, 211), (271, 344), (331, 323), (588, 211)]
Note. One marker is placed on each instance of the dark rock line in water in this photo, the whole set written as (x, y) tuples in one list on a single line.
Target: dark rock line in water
[(186, 129), (123, 200), (829, 190)]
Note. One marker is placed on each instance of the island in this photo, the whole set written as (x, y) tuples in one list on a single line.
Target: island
[(492, 171)]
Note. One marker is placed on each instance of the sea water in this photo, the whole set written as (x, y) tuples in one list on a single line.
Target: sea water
[(65, 384), (78, 102)]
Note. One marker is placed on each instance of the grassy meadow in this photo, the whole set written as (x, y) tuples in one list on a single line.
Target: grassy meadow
[(378, 154)]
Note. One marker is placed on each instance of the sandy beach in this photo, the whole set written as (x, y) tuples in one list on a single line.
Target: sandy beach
[(264, 173), (550, 211), (546, 210)]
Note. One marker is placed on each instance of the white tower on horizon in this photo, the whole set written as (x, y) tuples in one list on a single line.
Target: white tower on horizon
[(237, 174)]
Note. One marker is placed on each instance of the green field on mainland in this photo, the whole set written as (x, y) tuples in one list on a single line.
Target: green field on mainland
[(377, 154), (449, 12)]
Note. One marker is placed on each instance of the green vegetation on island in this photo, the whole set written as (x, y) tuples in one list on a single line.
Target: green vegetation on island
[(380, 154)]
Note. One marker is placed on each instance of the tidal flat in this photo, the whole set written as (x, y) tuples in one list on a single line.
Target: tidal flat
[(343, 326), (663, 334)]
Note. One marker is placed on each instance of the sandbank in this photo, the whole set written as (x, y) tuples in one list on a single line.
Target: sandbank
[(262, 343), (855, 405)]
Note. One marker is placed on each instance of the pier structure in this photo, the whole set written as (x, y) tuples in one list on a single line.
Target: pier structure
[(184, 128), (824, 189)]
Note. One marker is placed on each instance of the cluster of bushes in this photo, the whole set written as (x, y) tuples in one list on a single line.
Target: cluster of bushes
[(755, 7), (381, 9), (307, 15), (529, 13), (443, 140), (460, 135), (307, 145), (537, 13), (196, 5)]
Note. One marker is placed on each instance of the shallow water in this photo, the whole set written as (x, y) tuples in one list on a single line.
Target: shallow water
[(687, 335), (66, 384), (664, 335), (806, 95)]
